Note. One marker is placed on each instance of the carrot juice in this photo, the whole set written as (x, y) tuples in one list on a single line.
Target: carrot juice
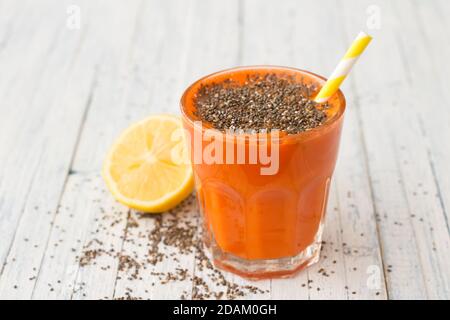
[(263, 194)]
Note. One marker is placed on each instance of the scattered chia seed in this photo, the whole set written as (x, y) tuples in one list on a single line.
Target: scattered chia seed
[(173, 235), (264, 102), (126, 263), (88, 256)]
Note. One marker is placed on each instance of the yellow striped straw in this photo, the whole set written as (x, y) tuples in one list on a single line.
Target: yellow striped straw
[(343, 68)]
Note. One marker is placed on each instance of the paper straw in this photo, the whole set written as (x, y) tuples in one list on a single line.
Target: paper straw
[(343, 68)]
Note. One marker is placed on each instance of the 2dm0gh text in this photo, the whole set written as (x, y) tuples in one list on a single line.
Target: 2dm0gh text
[(226, 309)]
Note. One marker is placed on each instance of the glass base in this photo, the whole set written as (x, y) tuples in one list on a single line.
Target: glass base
[(263, 269)]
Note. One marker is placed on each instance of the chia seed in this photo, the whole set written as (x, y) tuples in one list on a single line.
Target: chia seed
[(263, 102), (171, 237)]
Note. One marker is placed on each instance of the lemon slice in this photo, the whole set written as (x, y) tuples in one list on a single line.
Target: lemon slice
[(148, 168)]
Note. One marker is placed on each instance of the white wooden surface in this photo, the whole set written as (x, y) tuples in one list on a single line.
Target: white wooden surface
[(66, 94)]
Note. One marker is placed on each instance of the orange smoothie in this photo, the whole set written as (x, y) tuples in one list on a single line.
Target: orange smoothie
[(265, 225)]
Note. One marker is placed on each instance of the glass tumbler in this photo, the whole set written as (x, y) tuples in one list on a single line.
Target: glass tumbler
[(263, 219)]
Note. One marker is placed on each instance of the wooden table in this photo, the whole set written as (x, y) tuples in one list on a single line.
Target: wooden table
[(67, 92)]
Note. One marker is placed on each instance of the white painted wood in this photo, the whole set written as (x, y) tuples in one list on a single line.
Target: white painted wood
[(20, 74), (390, 204), (92, 282), (72, 230), (355, 244), (327, 279), (105, 231), (48, 135), (426, 185), (400, 169), (162, 41), (430, 61), (201, 58), (140, 90), (64, 114), (429, 74), (303, 50), (67, 94)]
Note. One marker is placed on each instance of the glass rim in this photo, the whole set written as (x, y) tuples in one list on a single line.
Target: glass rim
[(295, 136)]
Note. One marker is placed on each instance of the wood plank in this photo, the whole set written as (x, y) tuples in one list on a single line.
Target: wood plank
[(64, 112), (21, 68), (97, 259), (46, 139), (327, 279), (427, 62), (74, 222), (387, 218), (426, 183), (167, 278), (356, 246), (360, 241), (153, 64), (412, 270), (108, 57), (19, 78), (304, 50), (200, 59)]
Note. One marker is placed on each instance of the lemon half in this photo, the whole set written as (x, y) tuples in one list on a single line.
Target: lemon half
[(148, 168)]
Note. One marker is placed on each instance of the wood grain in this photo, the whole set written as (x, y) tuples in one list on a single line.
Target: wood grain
[(67, 94)]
